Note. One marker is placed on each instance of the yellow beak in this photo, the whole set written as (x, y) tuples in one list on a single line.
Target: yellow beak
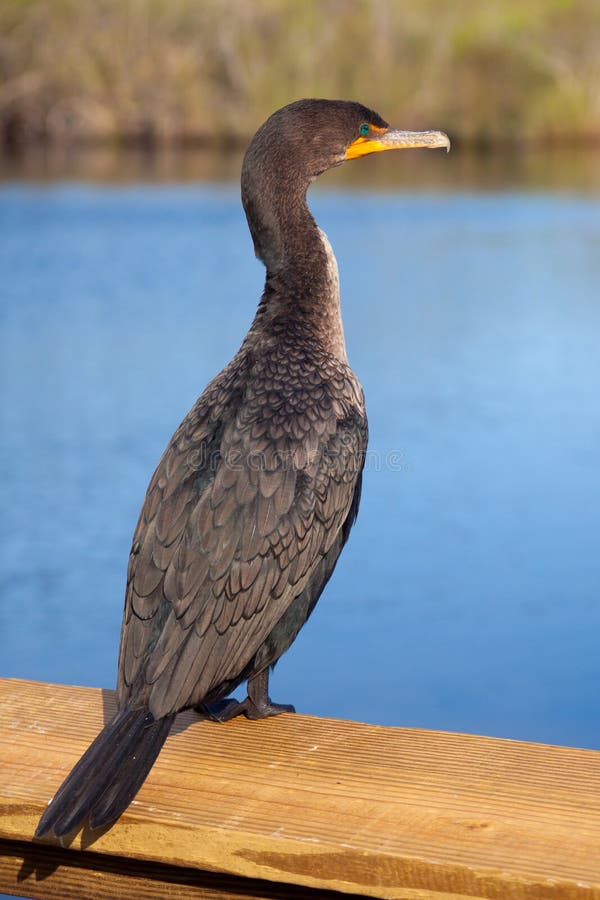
[(396, 140)]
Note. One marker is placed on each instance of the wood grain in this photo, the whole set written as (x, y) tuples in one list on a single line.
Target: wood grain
[(384, 812), (51, 873)]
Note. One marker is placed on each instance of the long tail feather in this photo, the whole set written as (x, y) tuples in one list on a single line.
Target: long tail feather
[(131, 776), (108, 775)]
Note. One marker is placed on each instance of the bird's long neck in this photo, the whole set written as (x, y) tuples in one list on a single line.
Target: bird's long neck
[(301, 295)]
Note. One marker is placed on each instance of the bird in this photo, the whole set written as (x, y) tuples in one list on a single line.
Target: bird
[(256, 493)]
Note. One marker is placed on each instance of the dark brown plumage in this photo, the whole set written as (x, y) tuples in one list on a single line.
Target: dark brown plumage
[(254, 498)]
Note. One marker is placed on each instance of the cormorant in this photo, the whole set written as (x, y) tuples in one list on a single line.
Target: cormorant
[(256, 493)]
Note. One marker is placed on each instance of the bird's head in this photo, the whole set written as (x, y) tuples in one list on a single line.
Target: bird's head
[(296, 144), (309, 136)]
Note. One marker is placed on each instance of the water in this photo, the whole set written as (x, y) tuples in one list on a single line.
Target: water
[(467, 598)]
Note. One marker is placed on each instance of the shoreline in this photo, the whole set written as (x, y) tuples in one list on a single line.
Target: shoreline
[(530, 167)]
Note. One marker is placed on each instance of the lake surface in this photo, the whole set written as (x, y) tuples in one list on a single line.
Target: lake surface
[(467, 598)]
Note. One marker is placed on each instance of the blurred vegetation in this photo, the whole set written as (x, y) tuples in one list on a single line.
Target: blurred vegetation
[(177, 71)]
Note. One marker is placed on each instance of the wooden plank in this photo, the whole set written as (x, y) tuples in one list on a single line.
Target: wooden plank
[(52, 873), (385, 812)]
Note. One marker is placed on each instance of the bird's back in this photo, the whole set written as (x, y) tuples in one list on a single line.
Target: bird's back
[(242, 523)]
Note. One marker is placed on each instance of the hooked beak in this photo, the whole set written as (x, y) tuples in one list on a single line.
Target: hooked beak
[(378, 140)]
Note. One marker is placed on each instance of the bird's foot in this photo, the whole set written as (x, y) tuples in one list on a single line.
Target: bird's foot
[(219, 710), (257, 705), (224, 710)]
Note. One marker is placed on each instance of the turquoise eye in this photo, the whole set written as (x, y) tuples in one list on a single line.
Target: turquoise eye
[(364, 129)]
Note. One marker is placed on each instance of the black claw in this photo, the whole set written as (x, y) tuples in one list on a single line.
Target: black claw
[(262, 711)]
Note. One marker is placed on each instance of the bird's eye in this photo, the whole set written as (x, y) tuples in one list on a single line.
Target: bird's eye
[(364, 129)]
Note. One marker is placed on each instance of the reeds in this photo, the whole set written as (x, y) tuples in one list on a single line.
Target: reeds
[(177, 71)]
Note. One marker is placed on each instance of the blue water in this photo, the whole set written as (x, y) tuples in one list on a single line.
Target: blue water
[(468, 596)]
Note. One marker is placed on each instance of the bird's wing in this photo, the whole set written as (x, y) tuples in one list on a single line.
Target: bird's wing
[(246, 501)]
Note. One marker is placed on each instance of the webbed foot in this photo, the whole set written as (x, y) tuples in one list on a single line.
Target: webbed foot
[(257, 705)]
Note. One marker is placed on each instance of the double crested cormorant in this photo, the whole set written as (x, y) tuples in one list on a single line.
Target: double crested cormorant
[(257, 491)]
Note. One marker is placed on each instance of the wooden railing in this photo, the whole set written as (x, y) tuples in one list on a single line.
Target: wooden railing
[(298, 807)]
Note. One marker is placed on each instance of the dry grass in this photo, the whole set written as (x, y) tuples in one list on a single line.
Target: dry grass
[(170, 71)]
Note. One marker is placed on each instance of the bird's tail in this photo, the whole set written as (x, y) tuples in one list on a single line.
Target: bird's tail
[(108, 775)]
